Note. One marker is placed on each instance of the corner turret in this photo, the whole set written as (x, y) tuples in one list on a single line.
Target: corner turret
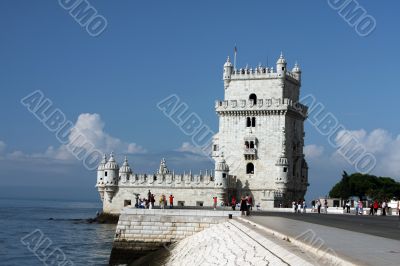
[(125, 172), (297, 72), (228, 68), (281, 66), (111, 169), (100, 177), (221, 178)]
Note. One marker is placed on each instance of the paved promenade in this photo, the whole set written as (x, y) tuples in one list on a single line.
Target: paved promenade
[(384, 226), (359, 248), (231, 243)]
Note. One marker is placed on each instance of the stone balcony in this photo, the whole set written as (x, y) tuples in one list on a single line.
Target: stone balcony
[(250, 153)]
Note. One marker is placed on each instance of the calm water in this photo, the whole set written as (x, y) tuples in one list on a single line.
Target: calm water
[(82, 243)]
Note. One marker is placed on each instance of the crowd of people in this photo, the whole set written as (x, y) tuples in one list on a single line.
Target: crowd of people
[(148, 203)]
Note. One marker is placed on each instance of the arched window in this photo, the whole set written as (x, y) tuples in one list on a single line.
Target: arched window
[(248, 122), (250, 168), (253, 122), (253, 98)]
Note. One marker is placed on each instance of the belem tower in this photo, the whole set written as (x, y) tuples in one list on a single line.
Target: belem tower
[(258, 150)]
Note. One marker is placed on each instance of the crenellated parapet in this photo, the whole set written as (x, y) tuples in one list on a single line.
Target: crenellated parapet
[(262, 72), (262, 105), (169, 180)]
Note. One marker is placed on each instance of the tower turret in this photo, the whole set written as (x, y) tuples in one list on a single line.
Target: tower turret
[(297, 72), (100, 177), (221, 178), (125, 172), (281, 65), (111, 177), (228, 68)]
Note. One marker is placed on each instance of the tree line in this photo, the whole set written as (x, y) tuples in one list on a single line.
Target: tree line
[(365, 186)]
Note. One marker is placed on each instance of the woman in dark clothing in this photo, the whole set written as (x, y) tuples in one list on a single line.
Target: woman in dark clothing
[(243, 205)]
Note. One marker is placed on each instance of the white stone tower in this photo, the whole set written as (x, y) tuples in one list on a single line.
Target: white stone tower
[(221, 179), (261, 133)]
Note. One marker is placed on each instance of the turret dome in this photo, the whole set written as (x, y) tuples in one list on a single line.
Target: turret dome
[(281, 59), (228, 62), (296, 68), (111, 164), (125, 168), (102, 163), (221, 165)]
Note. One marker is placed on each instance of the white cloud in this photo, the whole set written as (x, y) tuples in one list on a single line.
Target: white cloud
[(187, 147), (313, 151), (92, 128), (384, 147), (88, 133)]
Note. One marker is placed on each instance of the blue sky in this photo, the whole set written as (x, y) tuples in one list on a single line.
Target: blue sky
[(151, 49)]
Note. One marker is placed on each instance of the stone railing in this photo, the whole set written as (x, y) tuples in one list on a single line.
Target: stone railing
[(260, 73), (261, 104)]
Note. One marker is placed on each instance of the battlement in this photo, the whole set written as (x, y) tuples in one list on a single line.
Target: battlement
[(261, 105), (262, 73), (170, 179)]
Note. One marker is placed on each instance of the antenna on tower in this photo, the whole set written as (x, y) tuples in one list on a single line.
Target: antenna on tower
[(234, 57)]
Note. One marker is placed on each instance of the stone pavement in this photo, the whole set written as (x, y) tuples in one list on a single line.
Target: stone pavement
[(230, 243), (349, 245)]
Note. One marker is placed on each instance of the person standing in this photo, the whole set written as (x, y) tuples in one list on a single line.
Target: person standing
[(326, 206), (233, 203), (171, 201), (360, 207), (348, 206), (304, 206), (152, 201), (319, 206), (384, 208), (250, 202), (161, 201), (398, 208), (376, 206), (356, 206), (243, 205), (215, 203)]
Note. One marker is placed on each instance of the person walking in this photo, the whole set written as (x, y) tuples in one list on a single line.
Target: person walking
[(371, 209), (304, 206), (171, 201), (348, 206), (360, 207), (215, 203)]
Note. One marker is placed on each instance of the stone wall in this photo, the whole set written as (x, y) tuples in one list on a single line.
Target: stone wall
[(140, 231)]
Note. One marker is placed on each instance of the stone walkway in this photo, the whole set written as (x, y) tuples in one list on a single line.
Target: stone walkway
[(227, 244)]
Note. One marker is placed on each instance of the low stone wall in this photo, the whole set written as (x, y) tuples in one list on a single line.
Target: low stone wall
[(140, 231)]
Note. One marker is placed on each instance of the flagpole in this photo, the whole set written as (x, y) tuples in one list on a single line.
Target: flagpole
[(234, 58)]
